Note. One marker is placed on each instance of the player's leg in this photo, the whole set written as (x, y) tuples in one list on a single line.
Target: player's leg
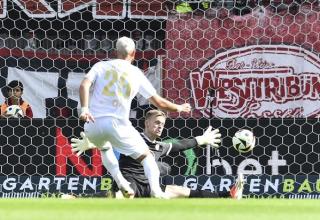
[(144, 190), (174, 191), (97, 134), (129, 142), (118, 194), (151, 171), (141, 189), (237, 189), (111, 163)]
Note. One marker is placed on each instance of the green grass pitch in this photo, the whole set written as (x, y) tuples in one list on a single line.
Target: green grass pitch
[(153, 209)]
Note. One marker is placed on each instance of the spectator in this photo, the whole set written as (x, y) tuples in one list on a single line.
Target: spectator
[(13, 93), (184, 6)]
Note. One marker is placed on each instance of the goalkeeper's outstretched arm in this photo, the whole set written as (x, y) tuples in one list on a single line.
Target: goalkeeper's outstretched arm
[(183, 144), (209, 137)]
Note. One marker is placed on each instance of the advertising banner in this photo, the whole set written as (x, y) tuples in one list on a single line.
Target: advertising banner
[(261, 64), (100, 9), (36, 157), (256, 186), (36, 186), (57, 92)]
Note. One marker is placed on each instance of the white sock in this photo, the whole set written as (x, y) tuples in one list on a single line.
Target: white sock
[(151, 170), (111, 163)]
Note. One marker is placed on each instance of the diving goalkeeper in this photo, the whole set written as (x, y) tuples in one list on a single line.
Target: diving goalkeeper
[(133, 171)]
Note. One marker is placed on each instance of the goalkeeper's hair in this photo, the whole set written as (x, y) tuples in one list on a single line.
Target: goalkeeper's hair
[(125, 46), (154, 113)]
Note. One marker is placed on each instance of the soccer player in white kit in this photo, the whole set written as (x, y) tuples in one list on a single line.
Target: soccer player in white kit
[(115, 83)]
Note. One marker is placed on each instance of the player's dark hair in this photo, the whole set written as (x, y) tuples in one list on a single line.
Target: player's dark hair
[(13, 84)]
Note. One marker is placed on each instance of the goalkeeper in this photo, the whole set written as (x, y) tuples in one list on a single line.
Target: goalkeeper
[(133, 171)]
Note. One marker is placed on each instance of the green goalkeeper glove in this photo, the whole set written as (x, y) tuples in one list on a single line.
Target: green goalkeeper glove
[(211, 137)]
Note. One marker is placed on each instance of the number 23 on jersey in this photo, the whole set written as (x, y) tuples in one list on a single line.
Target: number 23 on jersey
[(123, 89)]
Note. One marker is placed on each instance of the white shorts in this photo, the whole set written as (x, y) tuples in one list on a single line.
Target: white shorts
[(122, 135)]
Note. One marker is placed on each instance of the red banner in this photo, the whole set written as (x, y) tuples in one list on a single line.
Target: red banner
[(101, 9), (263, 64)]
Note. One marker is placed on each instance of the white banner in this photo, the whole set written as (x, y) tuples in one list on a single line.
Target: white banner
[(73, 83), (41, 85)]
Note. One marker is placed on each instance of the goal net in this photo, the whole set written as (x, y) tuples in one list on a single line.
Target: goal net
[(241, 64)]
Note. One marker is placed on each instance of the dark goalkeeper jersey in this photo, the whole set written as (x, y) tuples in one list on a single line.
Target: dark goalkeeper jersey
[(132, 168)]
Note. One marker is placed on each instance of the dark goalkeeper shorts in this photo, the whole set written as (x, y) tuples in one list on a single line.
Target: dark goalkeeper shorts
[(141, 190)]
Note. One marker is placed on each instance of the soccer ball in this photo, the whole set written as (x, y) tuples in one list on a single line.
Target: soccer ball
[(13, 111), (244, 141)]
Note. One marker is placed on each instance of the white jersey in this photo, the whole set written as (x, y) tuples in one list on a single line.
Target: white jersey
[(116, 83)]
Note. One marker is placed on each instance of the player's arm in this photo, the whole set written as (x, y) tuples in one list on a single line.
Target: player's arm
[(209, 137), (166, 105), (184, 144), (84, 100), (177, 145), (29, 112), (148, 92)]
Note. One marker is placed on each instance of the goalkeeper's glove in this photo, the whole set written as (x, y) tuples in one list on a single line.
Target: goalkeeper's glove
[(211, 137), (81, 145)]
